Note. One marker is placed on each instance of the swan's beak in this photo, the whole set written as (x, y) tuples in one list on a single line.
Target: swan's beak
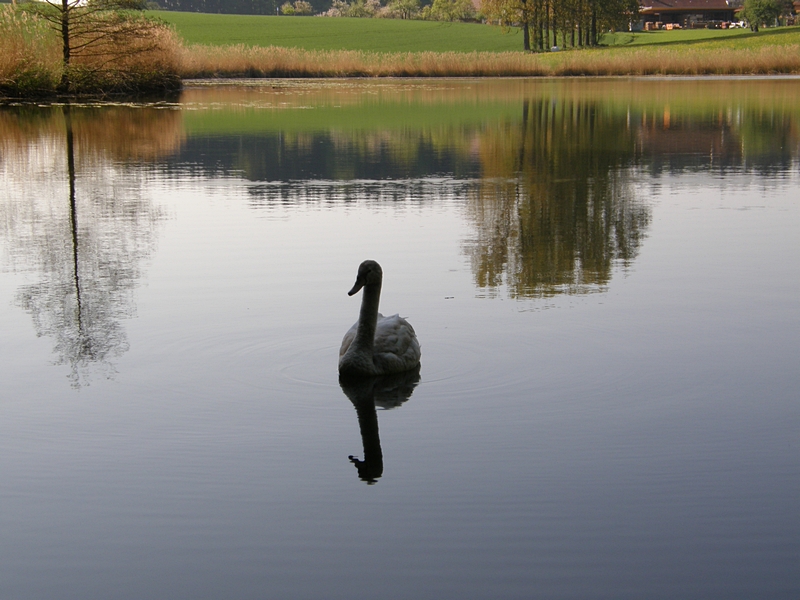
[(357, 286)]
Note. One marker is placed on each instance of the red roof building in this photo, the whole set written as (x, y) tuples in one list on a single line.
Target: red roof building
[(686, 13)]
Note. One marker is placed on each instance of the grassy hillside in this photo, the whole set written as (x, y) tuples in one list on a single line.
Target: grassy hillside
[(319, 33)]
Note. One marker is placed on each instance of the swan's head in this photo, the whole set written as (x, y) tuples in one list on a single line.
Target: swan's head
[(369, 273)]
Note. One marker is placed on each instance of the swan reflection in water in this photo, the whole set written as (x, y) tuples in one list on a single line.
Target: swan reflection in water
[(387, 391)]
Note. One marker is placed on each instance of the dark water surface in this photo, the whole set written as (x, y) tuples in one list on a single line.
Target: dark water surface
[(603, 275)]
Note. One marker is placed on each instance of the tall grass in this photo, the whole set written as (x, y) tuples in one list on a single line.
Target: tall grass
[(29, 55), (243, 61), (772, 60)]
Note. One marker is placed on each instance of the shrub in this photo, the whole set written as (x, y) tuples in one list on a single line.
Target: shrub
[(298, 8), (357, 8), (449, 10), (400, 9)]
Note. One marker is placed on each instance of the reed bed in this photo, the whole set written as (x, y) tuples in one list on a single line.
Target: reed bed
[(245, 61), (29, 55), (771, 60)]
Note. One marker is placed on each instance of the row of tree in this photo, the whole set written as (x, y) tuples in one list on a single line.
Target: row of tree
[(438, 10), (544, 23), (561, 23)]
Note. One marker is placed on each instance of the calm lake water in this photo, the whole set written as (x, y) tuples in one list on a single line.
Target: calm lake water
[(603, 275)]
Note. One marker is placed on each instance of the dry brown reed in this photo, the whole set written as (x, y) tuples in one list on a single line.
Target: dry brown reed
[(243, 61), (29, 55), (770, 60)]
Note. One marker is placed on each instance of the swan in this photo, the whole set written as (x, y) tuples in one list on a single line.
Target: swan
[(376, 345)]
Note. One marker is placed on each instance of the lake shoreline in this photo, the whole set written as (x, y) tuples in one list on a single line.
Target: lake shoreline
[(173, 95), (237, 63)]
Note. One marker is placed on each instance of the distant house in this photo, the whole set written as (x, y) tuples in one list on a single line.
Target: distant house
[(685, 13)]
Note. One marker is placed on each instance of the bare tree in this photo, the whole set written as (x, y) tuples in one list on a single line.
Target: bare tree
[(98, 33)]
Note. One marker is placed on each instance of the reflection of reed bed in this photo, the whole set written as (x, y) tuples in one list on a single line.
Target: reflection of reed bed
[(20, 127), (244, 61), (120, 132), (393, 103), (257, 93), (129, 133), (338, 92)]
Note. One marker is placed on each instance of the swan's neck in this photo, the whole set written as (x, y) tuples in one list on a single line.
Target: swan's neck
[(368, 318)]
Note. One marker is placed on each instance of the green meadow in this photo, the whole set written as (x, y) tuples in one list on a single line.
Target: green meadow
[(395, 35), (320, 33), (706, 38)]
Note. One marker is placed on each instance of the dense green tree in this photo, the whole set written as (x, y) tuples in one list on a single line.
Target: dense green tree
[(761, 12), (449, 10), (242, 7), (297, 8)]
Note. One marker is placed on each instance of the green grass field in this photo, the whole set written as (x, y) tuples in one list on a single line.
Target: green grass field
[(394, 35), (319, 33), (707, 38)]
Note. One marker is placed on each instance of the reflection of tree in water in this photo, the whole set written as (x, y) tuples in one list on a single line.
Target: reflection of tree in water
[(555, 210), (79, 220), (366, 393)]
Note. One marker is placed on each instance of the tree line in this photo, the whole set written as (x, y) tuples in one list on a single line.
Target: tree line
[(242, 7), (546, 24)]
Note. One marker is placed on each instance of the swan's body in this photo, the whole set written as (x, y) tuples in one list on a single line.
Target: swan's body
[(376, 345)]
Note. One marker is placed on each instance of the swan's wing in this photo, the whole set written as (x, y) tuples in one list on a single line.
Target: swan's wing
[(396, 345), (348, 339), (351, 335)]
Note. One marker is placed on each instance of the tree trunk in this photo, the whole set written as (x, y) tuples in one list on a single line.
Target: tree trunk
[(526, 33), (546, 25), (526, 36), (555, 33), (65, 46)]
